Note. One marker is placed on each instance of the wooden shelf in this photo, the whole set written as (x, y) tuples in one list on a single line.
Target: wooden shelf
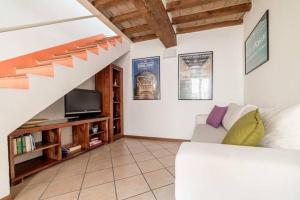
[(113, 101), (51, 147), (98, 133), (39, 147), (32, 166)]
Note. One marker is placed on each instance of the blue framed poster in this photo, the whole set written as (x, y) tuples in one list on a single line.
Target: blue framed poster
[(146, 78), (257, 45)]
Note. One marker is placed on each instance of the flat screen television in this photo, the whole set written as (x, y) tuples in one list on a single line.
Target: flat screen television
[(81, 103)]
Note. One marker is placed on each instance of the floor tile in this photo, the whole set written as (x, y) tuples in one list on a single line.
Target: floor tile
[(71, 170), (131, 186), (118, 153), (126, 171), (31, 192), (99, 155), (143, 156), (68, 196), (173, 150), (97, 165), (151, 156), (100, 192), (159, 178), (154, 147), (45, 176), (165, 193), (149, 143), (63, 185), (137, 150), (122, 160), (150, 165), (161, 153), (171, 170), (145, 196), (168, 161), (97, 178)]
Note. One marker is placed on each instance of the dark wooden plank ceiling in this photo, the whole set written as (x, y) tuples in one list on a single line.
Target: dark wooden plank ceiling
[(145, 20)]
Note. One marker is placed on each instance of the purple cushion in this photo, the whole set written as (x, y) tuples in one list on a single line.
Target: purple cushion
[(215, 117)]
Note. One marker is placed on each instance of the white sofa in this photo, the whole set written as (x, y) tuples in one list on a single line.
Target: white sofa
[(208, 170)]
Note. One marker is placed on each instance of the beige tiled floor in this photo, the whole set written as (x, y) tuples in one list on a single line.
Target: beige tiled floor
[(128, 169)]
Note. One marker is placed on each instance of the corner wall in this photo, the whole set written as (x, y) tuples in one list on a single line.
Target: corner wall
[(277, 82), (173, 118)]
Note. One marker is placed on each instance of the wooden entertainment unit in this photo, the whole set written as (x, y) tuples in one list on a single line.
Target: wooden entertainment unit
[(50, 146)]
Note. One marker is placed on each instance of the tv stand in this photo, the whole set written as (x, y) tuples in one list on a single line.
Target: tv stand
[(50, 148)]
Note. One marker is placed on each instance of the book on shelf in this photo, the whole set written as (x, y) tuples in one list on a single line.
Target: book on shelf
[(75, 148), (69, 150), (23, 144), (15, 146)]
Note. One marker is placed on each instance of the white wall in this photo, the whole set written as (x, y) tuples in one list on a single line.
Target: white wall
[(173, 118), (276, 83)]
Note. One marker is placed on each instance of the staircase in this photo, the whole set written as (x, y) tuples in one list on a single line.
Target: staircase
[(32, 82)]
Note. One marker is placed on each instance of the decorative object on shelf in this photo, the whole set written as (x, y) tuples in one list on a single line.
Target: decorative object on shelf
[(95, 142), (95, 128), (257, 45), (195, 76), (146, 78), (116, 83)]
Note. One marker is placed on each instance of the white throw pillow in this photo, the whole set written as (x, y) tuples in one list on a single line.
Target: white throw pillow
[(234, 113), (283, 129)]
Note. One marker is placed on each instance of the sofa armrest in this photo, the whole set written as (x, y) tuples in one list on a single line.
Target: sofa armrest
[(227, 172), (201, 118)]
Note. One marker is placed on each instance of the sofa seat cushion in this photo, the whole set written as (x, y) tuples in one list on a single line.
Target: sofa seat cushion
[(208, 134)]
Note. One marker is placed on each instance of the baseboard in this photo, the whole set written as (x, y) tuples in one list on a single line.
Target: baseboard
[(6, 198), (156, 138)]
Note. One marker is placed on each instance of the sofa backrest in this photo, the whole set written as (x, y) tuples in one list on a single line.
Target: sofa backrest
[(234, 113)]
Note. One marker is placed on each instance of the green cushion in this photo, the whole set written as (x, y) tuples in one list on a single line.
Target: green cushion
[(247, 131)]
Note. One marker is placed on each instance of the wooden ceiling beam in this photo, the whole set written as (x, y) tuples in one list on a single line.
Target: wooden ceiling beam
[(136, 29), (182, 4), (158, 20), (220, 12), (209, 26), (125, 17), (143, 38), (102, 4)]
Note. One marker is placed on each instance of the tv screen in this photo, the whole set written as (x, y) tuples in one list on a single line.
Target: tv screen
[(82, 102)]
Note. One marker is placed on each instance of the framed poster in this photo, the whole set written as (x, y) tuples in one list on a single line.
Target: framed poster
[(146, 78), (257, 45), (195, 76)]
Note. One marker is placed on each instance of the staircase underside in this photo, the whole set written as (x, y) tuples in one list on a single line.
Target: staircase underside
[(13, 72)]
